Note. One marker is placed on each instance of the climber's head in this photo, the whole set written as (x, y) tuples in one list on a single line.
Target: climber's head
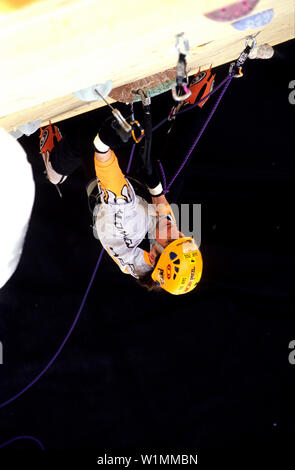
[(176, 260), (179, 266)]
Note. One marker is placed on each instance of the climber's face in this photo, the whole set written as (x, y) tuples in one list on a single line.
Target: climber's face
[(166, 232)]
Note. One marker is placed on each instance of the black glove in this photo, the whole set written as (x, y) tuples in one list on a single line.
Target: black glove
[(150, 174), (112, 134)]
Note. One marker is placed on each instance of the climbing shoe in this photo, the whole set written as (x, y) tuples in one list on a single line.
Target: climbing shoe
[(49, 137)]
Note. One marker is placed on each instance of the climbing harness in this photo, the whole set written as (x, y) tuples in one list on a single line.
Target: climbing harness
[(180, 91)]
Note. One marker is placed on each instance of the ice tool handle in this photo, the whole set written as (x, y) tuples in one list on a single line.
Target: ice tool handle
[(117, 115), (121, 121)]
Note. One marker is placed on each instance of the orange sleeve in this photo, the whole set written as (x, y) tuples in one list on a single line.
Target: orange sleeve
[(110, 175)]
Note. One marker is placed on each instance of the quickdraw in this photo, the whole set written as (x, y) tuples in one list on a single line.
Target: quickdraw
[(181, 84), (237, 66), (146, 102)]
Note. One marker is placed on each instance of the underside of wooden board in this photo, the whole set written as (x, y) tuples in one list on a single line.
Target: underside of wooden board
[(51, 49)]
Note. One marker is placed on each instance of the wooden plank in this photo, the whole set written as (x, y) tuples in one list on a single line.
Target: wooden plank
[(50, 49)]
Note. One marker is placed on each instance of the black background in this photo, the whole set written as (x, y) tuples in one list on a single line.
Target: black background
[(204, 371)]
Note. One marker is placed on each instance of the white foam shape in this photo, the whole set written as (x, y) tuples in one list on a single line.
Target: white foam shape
[(17, 192), (30, 127), (16, 134), (89, 94)]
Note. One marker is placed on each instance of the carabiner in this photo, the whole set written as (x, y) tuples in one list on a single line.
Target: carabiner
[(239, 70), (253, 39), (177, 97), (185, 44), (133, 124), (236, 67), (254, 42), (181, 73)]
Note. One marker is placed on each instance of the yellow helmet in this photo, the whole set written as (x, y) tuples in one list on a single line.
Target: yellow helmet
[(180, 266)]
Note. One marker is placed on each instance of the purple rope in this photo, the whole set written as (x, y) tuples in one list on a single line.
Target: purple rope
[(14, 397), (130, 158), (23, 437), (163, 175), (228, 81)]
